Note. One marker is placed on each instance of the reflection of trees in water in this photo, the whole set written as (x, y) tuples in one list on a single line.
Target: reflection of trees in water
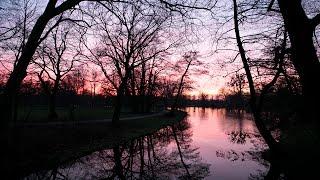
[(190, 160), (270, 175), (238, 137), (144, 158), (235, 120), (258, 153), (203, 114), (235, 113)]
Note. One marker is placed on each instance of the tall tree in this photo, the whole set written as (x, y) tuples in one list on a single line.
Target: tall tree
[(56, 58), (255, 103), (189, 59), (36, 36), (301, 29), (130, 35)]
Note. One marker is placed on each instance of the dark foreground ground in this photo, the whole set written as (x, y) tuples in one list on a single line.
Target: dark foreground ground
[(37, 148)]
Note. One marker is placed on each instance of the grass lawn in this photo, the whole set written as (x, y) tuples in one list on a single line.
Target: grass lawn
[(40, 114), (46, 147)]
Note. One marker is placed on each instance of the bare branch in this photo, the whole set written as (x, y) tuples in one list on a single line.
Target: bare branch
[(270, 7)]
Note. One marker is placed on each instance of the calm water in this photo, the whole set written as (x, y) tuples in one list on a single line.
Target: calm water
[(208, 144)]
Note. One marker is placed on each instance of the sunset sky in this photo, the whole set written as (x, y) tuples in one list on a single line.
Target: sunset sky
[(213, 38), (200, 38)]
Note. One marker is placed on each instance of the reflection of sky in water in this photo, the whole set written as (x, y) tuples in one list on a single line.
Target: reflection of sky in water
[(212, 140), (210, 133)]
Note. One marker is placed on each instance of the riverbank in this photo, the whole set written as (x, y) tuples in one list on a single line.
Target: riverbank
[(45, 147), (39, 114)]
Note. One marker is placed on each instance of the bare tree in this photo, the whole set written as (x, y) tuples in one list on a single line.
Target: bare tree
[(144, 84), (16, 19), (237, 82), (56, 57), (189, 59), (38, 33), (75, 81), (130, 36), (254, 102), (301, 29), (30, 42)]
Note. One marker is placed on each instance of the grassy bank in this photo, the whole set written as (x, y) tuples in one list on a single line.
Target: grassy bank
[(47, 147), (40, 114)]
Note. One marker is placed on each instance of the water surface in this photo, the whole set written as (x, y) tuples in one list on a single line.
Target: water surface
[(208, 144)]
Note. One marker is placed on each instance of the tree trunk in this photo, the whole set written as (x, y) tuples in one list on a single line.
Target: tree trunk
[(142, 88), (52, 114), (265, 133), (52, 98), (141, 153), (180, 152), (20, 70), (118, 101), (118, 164), (8, 98), (304, 56), (117, 107), (175, 103)]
